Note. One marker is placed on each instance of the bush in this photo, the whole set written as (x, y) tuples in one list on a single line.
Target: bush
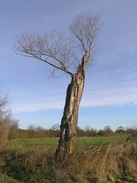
[(4, 121), (3, 133), (13, 129)]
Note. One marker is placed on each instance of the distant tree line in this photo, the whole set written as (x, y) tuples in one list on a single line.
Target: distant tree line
[(39, 132)]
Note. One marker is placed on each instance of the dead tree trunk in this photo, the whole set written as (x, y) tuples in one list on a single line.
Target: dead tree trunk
[(69, 120)]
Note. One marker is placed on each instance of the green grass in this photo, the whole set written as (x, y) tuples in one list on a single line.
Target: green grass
[(30, 142), (6, 179), (89, 142), (81, 142)]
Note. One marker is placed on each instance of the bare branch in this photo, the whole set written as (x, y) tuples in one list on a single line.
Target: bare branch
[(57, 50), (51, 48), (84, 30)]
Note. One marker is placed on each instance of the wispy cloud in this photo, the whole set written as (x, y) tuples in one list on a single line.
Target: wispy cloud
[(91, 98), (33, 107), (112, 96)]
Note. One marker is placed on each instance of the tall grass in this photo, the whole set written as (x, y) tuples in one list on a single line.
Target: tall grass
[(100, 164)]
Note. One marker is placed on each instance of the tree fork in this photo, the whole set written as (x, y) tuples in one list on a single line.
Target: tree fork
[(68, 127)]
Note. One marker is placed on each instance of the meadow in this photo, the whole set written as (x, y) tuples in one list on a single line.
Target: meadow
[(81, 142), (94, 160)]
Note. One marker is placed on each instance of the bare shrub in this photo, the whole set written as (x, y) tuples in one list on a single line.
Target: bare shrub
[(13, 129), (4, 121), (3, 132)]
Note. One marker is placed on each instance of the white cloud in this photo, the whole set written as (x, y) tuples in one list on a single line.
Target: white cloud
[(114, 96), (33, 107), (91, 98)]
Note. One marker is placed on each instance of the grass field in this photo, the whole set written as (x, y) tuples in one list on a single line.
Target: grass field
[(81, 142), (94, 160)]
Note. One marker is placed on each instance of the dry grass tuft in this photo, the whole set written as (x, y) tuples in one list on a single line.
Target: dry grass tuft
[(103, 163), (39, 157), (97, 165)]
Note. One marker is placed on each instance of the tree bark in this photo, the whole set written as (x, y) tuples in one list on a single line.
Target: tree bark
[(68, 127)]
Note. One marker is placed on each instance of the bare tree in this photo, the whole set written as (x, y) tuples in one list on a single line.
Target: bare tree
[(63, 53)]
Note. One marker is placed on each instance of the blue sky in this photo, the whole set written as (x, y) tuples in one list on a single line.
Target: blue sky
[(110, 94)]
